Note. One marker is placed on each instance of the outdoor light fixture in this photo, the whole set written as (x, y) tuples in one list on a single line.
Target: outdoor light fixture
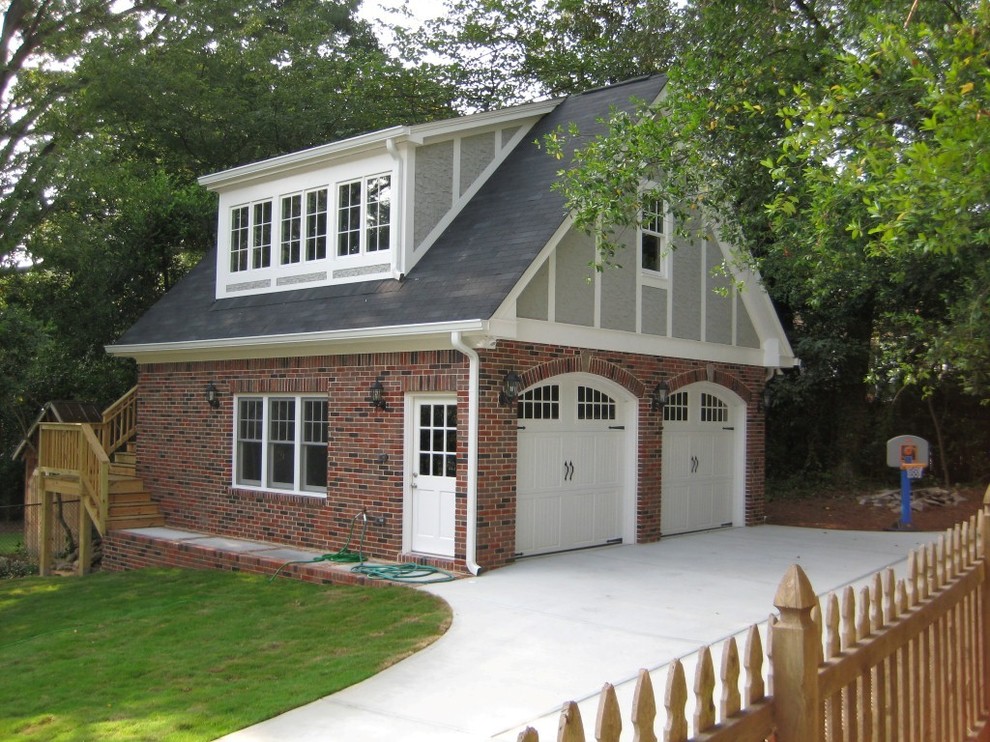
[(766, 399), (377, 397), (511, 386), (660, 396), (212, 396)]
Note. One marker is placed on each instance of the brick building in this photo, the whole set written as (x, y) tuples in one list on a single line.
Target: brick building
[(405, 324)]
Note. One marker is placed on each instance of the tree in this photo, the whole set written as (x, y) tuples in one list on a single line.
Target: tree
[(840, 214), (494, 53), (111, 111)]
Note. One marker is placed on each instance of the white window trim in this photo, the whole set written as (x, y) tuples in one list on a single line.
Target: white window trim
[(327, 270), (263, 486), (363, 254), (659, 278)]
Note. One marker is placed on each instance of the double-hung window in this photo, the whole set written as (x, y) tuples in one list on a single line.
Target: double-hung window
[(281, 443), (364, 215), (653, 239)]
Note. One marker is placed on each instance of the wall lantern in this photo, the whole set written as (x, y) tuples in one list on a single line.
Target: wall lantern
[(377, 395), (212, 396), (660, 396), (511, 386), (766, 399)]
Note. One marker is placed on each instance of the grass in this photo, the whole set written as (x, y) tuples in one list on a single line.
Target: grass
[(11, 541), (190, 655)]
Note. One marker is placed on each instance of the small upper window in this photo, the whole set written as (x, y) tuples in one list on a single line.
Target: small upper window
[(653, 238), (541, 403), (594, 405), (676, 409)]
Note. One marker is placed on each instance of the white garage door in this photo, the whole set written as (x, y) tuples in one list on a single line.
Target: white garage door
[(698, 463), (570, 467)]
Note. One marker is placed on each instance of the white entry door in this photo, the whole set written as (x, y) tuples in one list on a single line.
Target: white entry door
[(698, 463), (571, 461), (433, 477)]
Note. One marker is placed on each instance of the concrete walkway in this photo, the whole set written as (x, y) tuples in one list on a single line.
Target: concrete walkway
[(528, 637)]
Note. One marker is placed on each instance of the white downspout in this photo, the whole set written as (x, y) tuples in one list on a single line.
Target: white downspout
[(474, 405)]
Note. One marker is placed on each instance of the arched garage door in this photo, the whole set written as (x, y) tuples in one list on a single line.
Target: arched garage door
[(699, 461), (571, 466)]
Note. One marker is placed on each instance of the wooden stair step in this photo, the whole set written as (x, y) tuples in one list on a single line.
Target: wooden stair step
[(121, 485), (125, 458), (132, 512), (137, 521), (126, 498)]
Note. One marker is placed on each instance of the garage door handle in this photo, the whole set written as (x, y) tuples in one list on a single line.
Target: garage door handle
[(568, 471), (695, 463)]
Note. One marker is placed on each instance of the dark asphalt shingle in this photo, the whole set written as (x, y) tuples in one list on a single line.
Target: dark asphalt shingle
[(466, 274)]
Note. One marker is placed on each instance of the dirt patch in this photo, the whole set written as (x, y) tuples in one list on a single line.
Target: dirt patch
[(933, 509)]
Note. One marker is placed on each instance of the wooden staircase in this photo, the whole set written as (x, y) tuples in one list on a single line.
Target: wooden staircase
[(130, 504)]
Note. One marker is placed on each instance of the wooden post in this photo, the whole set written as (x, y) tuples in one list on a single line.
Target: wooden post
[(796, 649), (85, 541), (45, 547), (983, 528)]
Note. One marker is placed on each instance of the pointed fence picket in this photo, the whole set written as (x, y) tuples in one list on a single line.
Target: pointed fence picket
[(906, 661)]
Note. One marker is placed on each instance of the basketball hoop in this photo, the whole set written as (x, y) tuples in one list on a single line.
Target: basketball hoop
[(913, 471)]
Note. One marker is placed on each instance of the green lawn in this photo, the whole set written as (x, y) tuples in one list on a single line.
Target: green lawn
[(190, 655)]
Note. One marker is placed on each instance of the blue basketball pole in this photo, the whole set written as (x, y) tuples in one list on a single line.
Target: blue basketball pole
[(905, 499)]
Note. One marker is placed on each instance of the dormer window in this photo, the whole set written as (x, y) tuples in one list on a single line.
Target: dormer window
[(316, 224), (261, 240), (364, 215)]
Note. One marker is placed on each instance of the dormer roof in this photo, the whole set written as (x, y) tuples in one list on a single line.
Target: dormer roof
[(458, 284)]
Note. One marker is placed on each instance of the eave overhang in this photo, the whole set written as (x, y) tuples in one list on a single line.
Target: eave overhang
[(396, 338), (370, 142)]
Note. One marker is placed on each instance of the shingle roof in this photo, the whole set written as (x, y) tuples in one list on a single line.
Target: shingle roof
[(466, 274)]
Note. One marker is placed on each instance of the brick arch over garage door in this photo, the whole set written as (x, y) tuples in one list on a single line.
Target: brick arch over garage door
[(584, 363)]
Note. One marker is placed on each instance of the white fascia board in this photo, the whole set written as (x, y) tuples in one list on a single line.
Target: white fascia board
[(593, 338), (287, 163), (757, 302), (393, 338), (354, 146), (486, 119)]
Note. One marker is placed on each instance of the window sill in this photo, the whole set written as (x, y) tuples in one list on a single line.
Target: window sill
[(312, 499)]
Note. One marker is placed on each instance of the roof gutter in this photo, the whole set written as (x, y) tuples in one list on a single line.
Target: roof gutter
[(292, 340), (474, 405)]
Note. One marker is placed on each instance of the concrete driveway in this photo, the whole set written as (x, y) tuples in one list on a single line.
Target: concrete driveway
[(528, 637)]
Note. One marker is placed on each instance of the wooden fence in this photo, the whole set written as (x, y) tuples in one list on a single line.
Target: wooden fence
[(905, 661)]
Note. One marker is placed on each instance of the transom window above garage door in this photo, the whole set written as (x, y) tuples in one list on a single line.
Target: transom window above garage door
[(693, 406), (544, 403)]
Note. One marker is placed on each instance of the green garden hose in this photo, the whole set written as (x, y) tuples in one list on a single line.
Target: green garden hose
[(412, 573)]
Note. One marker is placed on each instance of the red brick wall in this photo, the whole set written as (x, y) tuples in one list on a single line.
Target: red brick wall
[(185, 448)]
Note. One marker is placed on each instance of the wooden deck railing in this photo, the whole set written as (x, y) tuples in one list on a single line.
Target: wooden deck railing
[(119, 422), (909, 661), (81, 452), (73, 452)]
